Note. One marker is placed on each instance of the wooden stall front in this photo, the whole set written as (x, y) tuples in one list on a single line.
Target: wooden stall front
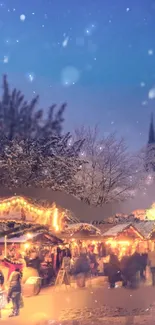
[(123, 239), (82, 237)]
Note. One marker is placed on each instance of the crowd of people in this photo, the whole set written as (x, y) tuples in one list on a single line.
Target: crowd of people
[(130, 269), (46, 262)]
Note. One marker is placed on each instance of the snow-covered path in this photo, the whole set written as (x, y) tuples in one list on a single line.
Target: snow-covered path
[(92, 305)]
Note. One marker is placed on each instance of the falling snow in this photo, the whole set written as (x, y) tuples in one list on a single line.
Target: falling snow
[(5, 59), (22, 17), (65, 42), (151, 94), (30, 77), (150, 52)]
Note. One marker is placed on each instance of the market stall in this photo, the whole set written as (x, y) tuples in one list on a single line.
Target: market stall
[(29, 238), (80, 237), (151, 238), (123, 239), (85, 238), (25, 210), (34, 250)]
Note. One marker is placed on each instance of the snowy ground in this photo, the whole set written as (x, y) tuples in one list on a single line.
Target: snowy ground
[(93, 305)]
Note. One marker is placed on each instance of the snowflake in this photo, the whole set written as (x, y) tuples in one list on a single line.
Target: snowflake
[(65, 42), (151, 94), (150, 52), (30, 77), (22, 17), (5, 59)]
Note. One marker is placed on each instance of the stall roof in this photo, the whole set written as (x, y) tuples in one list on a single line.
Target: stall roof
[(145, 228), (82, 228), (43, 236), (115, 230), (21, 239), (118, 229), (105, 227)]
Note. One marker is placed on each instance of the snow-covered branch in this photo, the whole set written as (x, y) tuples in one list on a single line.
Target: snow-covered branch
[(33, 150), (111, 173)]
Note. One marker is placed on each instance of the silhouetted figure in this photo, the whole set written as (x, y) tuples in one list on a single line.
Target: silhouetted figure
[(143, 264), (133, 265), (14, 292), (114, 274), (151, 262)]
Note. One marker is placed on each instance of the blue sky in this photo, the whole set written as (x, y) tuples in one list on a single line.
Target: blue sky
[(99, 56)]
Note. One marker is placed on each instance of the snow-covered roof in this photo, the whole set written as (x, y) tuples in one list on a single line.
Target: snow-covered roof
[(105, 227), (145, 227), (21, 239), (114, 231), (47, 236), (74, 228)]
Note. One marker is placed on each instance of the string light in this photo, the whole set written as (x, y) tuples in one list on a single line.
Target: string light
[(26, 245), (51, 216), (55, 220)]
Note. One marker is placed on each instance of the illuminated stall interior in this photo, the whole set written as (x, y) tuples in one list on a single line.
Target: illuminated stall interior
[(25, 236), (20, 216), (123, 239), (83, 237), (152, 239)]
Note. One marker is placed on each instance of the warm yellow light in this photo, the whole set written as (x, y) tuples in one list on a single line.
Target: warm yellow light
[(55, 220), (26, 245), (50, 216), (150, 213), (114, 242), (29, 235)]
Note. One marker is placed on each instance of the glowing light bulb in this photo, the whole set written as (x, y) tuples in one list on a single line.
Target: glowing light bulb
[(26, 246), (55, 220), (29, 235)]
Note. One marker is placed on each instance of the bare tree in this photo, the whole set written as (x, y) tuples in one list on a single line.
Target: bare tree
[(111, 173)]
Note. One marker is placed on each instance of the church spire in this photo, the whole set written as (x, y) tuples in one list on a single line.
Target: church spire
[(151, 131)]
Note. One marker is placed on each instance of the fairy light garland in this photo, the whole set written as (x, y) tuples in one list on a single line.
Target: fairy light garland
[(51, 216)]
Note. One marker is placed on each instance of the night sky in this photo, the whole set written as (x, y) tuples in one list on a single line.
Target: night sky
[(97, 55)]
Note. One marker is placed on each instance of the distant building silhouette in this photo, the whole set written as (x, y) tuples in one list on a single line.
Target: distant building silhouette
[(150, 150), (151, 139)]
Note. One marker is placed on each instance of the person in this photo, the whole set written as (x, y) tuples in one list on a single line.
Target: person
[(132, 269), (81, 269), (1, 279), (124, 269), (14, 291), (66, 262), (100, 268), (144, 258), (151, 263), (33, 260), (93, 263), (114, 273)]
